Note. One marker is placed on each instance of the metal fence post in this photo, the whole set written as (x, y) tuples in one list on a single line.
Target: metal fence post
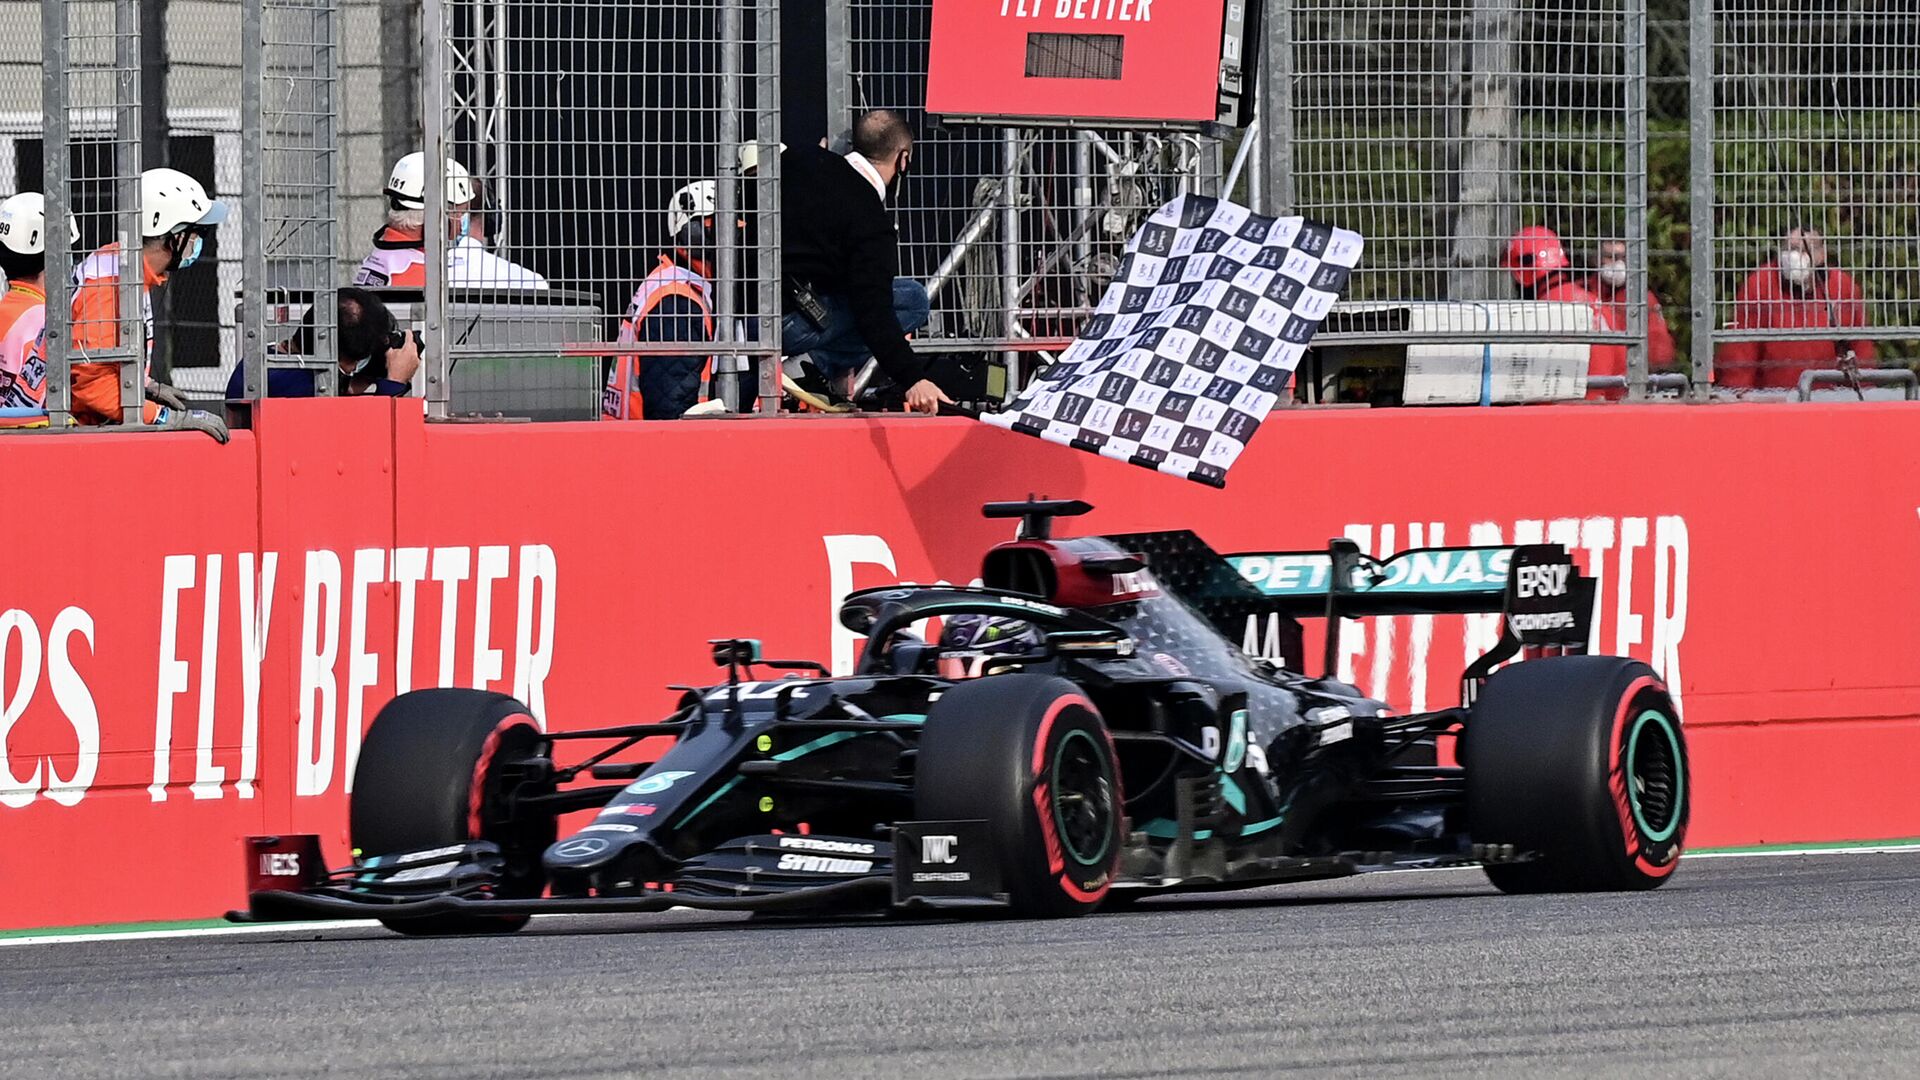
[(1276, 109), (155, 70), (1700, 73), (433, 126), (55, 162), (1010, 253), (770, 292), (1486, 164), (126, 172), (326, 199), (1635, 72), (841, 72), (727, 174), (1082, 195), (253, 199), (289, 179)]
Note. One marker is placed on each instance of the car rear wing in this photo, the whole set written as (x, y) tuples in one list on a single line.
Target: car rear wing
[(1541, 595)]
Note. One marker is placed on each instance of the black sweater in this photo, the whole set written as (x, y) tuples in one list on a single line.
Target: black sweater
[(838, 238)]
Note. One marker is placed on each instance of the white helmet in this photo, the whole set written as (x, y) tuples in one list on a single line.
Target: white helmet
[(170, 200), (23, 224), (749, 157), (407, 185), (697, 200)]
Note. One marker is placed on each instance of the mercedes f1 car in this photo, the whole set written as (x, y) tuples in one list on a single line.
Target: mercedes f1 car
[(1120, 744)]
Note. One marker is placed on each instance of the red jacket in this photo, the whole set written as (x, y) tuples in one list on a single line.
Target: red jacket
[(1765, 302), (1603, 359), (1660, 350)]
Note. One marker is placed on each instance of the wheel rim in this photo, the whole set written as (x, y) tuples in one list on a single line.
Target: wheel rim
[(1656, 782), (1082, 787)]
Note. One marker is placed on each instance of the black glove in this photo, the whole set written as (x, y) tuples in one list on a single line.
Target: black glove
[(193, 420), (161, 394)]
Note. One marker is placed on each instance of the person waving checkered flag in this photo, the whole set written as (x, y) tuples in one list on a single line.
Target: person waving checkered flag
[(1194, 340)]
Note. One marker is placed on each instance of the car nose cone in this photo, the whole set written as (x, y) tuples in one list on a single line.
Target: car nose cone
[(581, 847), (576, 854)]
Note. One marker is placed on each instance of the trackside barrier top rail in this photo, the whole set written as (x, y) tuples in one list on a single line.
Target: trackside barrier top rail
[(1749, 157)]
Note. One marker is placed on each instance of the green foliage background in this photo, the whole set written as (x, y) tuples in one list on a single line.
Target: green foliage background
[(1816, 125)]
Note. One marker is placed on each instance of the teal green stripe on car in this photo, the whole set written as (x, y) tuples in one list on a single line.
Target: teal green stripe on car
[(1231, 792), (1163, 829), (721, 790), (820, 743), (805, 748)]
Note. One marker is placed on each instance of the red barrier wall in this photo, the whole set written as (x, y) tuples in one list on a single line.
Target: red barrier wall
[(1762, 557)]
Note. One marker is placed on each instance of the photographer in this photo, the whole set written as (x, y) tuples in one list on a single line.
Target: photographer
[(377, 356)]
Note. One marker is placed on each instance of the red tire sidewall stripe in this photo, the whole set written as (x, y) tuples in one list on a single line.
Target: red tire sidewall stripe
[(477, 790), (1617, 783), (1056, 857)]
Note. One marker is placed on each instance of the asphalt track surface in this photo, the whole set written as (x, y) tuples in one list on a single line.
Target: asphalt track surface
[(1791, 967)]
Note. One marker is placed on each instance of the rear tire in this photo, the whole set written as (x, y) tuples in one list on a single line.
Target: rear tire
[(1029, 755), (1581, 760), (431, 774)]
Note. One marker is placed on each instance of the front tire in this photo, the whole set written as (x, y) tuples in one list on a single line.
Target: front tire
[(1030, 755), (1582, 761), (434, 771)]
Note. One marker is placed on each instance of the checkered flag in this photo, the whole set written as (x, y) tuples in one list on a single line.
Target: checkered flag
[(1194, 340)]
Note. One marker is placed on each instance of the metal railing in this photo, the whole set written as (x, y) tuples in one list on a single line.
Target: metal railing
[(91, 162), (597, 130), (288, 207)]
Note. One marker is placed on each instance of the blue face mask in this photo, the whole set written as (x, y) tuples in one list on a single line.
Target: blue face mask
[(466, 224), (191, 253)]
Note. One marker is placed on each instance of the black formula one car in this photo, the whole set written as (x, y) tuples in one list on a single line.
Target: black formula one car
[(1125, 745)]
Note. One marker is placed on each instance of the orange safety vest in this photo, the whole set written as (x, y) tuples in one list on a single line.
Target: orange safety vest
[(622, 399), (96, 325), (23, 359), (396, 262)]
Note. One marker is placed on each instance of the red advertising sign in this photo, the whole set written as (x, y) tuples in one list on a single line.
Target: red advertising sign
[(1093, 60), (173, 681)]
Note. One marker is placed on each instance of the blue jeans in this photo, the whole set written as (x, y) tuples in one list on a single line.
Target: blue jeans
[(836, 348)]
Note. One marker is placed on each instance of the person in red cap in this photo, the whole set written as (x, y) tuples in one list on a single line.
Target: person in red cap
[(1539, 265)]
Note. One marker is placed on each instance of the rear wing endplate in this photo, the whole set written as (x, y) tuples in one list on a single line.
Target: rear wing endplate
[(1541, 595)]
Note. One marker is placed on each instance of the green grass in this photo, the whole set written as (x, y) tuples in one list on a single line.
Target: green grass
[(117, 928)]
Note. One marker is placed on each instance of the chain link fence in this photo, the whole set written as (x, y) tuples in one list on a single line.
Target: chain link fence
[(1014, 231), (1815, 157), (1440, 129), (1721, 143), (601, 136), (90, 166), (290, 105)]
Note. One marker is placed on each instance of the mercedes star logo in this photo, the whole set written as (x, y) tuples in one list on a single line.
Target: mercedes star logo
[(581, 848)]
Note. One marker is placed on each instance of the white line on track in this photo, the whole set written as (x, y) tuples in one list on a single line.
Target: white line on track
[(55, 937), (242, 929), (1904, 848), (235, 930)]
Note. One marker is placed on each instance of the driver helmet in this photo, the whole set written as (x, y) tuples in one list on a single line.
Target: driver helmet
[(967, 641)]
